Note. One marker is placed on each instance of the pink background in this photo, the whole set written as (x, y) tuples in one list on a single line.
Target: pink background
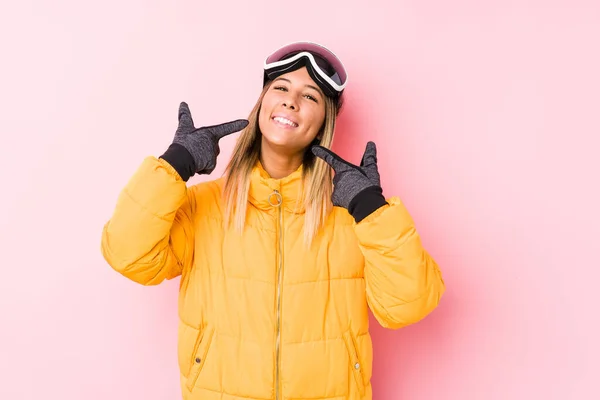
[(487, 117)]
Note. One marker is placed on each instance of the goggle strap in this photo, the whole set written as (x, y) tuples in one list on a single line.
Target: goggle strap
[(292, 62)]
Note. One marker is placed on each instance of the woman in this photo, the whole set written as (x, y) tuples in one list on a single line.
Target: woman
[(278, 263)]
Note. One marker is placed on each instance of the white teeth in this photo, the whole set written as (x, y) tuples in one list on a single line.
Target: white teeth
[(285, 121)]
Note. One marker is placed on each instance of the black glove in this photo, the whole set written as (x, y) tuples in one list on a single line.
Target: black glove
[(356, 188), (195, 150)]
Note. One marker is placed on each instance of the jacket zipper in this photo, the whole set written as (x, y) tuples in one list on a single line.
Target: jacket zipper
[(279, 285)]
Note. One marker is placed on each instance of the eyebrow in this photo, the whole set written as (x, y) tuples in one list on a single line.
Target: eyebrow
[(308, 86)]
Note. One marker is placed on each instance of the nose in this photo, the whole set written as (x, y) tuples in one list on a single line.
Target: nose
[(290, 102), (290, 105)]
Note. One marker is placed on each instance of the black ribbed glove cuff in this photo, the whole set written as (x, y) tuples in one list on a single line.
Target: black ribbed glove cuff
[(181, 160), (366, 202)]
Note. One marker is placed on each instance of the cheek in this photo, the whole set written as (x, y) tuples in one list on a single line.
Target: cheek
[(263, 116), (267, 105), (316, 120), (262, 122)]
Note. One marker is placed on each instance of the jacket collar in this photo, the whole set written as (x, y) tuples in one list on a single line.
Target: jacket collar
[(266, 192)]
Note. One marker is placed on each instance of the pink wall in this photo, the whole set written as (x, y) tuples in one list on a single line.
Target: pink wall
[(487, 120)]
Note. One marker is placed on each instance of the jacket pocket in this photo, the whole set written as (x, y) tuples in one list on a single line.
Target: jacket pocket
[(199, 355), (355, 361)]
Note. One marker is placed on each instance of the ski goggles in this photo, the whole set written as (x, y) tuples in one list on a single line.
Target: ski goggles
[(323, 66)]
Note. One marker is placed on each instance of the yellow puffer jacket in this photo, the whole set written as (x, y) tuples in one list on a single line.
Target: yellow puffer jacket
[(262, 317)]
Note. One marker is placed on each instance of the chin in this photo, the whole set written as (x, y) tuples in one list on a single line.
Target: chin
[(284, 140), (278, 141), (276, 137)]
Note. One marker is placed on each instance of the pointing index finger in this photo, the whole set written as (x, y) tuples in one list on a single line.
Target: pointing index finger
[(330, 158), (222, 130)]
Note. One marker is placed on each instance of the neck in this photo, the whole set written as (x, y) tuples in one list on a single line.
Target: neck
[(277, 164)]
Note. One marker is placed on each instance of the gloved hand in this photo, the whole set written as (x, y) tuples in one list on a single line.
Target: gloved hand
[(195, 150), (356, 188)]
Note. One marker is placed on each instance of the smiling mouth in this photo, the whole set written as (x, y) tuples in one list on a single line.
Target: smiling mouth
[(285, 122)]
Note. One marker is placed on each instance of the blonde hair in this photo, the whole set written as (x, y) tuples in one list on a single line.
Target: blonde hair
[(316, 174)]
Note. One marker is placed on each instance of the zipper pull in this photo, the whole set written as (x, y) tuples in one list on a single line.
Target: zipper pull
[(275, 199)]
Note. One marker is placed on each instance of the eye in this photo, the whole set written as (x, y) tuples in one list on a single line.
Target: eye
[(283, 88), (310, 97)]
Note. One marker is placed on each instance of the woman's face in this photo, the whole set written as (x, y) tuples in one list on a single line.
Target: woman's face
[(292, 112)]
